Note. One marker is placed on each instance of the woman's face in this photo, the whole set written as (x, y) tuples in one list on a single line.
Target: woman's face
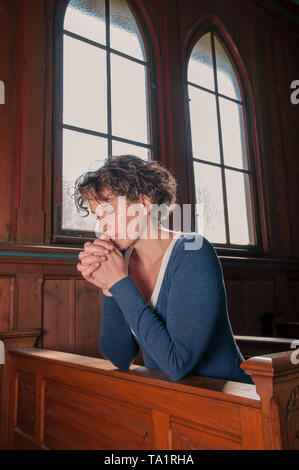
[(121, 219)]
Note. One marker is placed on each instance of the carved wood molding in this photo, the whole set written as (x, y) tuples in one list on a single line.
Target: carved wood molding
[(12, 339), (276, 379)]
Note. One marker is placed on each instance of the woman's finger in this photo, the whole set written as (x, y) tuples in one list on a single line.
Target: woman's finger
[(93, 259), (99, 250), (112, 246), (82, 254), (81, 267), (95, 252), (99, 243), (87, 272)]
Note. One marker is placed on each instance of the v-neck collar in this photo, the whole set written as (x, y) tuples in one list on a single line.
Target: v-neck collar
[(165, 260)]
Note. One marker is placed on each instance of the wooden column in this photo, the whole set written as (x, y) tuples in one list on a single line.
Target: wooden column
[(276, 379), (11, 339)]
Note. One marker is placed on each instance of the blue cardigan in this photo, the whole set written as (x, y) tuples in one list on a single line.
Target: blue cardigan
[(189, 331)]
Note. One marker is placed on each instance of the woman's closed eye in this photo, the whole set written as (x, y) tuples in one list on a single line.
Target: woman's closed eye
[(106, 213), (104, 210)]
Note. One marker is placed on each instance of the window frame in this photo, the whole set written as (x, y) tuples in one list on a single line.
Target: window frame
[(214, 26), (75, 238)]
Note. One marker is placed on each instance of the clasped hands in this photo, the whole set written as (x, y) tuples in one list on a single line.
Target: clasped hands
[(102, 264)]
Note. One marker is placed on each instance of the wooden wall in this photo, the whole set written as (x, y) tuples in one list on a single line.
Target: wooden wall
[(39, 284)]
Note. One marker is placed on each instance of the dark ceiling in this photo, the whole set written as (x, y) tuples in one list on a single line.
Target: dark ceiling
[(288, 8)]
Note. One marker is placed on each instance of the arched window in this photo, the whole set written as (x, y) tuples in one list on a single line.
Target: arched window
[(220, 150), (103, 108)]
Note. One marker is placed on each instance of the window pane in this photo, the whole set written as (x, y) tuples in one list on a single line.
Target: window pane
[(122, 148), (200, 67), (204, 127), (239, 208), (129, 99), (86, 18), (84, 85), (233, 138), (208, 185), (227, 81), (124, 32), (81, 153)]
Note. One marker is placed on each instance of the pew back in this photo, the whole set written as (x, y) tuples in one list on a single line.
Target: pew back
[(67, 401)]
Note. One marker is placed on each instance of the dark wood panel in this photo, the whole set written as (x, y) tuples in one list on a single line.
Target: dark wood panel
[(93, 422), (8, 112), (58, 315), (88, 315), (72, 316), (251, 346), (29, 300), (26, 403), (188, 437), (30, 213), (7, 302), (248, 300), (293, 295)]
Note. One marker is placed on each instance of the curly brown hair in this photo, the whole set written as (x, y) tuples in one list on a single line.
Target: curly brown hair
[(130, 176)]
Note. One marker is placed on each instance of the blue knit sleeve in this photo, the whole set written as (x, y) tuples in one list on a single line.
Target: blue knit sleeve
[(116, 341), (195, 300)]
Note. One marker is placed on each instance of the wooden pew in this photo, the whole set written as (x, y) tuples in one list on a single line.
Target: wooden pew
[(66, 401), (260, 345), (286, 329), (251, 346)]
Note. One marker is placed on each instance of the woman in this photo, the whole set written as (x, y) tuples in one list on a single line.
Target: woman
[(160, 293)]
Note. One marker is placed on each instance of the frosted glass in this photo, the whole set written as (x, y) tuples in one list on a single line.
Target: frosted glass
[(86, 18), (233, 137), (124, 32), (227, 81), (129, 99), (200, 67), (123, 148), (81, 153), (208, 186), (204, 127), (84, 85), (239, 208)]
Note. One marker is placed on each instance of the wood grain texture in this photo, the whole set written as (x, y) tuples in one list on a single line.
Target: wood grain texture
[(9, 385), (8, 113), (83, 403), (30, 213), (117, 410), (276, 379), (36, 292)]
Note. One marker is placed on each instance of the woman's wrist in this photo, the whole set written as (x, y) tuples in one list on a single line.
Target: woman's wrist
[(117, 280)]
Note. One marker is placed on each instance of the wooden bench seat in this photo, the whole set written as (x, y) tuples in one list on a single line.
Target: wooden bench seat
[(58, 400), (259, 345)]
